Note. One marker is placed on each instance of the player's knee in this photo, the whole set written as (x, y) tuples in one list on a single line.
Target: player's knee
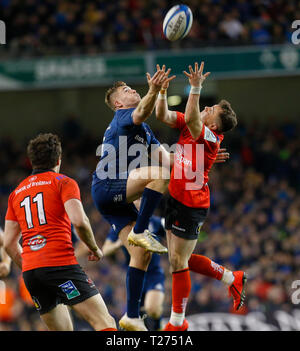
[(177, 262), (140, 259)]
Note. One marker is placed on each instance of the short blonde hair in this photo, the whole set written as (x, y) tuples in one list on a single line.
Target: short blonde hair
[(111, 91)]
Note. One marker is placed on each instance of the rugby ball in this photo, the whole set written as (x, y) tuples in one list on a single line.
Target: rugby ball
[(177, 22)]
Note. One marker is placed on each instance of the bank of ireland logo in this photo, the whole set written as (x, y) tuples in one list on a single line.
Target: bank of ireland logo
[(37, 242)]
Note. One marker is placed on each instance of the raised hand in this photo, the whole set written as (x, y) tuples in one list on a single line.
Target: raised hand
[(196, 76), (160, 79), (166, 83)]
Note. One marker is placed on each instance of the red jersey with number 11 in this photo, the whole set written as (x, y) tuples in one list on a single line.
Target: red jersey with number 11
[(37, 204), (192, 162)]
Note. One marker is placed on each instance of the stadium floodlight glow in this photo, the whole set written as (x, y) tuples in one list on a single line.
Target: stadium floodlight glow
[(174, 100)]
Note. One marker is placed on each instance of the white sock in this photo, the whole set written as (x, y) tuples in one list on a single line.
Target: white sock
[(228, 277), (176, 319)]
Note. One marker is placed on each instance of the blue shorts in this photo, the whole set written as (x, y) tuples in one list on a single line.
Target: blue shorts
[(109, 197), (155, 280)]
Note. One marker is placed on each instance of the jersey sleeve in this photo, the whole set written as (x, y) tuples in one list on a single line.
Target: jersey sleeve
[(124, 117), (180, 122), (69, 189), (10, 213), (210, 139), (153, 139)]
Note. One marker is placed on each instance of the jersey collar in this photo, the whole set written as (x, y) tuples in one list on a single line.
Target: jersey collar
[(37, 171)]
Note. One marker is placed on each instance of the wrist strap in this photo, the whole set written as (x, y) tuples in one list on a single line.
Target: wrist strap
[(162, 95), (195, 90)]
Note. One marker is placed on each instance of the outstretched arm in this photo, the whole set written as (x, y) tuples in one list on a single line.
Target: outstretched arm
[(83, 228), (11, 241), (147, 104), (162, 111), (192, 109)]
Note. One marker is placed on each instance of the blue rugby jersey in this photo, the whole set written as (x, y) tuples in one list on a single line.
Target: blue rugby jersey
[(125, 146)]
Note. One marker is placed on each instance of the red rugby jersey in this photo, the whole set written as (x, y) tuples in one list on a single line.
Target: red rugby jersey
[(37, 204), (192, 162)]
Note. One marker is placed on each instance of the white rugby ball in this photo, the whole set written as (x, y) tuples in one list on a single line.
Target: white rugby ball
[(178, 22)]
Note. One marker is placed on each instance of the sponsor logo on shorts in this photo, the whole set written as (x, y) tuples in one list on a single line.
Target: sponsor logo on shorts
[(69, 289), (37, 242)]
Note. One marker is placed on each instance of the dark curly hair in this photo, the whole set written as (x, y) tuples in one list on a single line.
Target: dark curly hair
[(227, 117), (44, 151)]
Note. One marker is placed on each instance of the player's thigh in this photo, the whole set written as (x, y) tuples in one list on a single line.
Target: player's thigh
[(153, 303), (58, 319), (181, 246), (139, 258), (139, 178), (95, 312)]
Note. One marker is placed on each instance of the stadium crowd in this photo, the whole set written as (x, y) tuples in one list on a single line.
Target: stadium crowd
[(253, 225), (50, 27)]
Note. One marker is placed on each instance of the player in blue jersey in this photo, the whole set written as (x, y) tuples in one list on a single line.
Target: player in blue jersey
[(154, 286), (121, 178)]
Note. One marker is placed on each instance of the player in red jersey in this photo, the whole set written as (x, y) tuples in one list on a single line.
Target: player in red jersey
[(189, 201), (42, 209)]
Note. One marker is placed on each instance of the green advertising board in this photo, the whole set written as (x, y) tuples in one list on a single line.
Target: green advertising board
[(105, 69), (70, 71), (238, 62)]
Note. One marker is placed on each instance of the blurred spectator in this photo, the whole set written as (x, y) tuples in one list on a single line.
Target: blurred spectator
[(231, 26), (75, 26)]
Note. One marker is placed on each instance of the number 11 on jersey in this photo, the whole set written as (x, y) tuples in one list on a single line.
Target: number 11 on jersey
[(39, 201)]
